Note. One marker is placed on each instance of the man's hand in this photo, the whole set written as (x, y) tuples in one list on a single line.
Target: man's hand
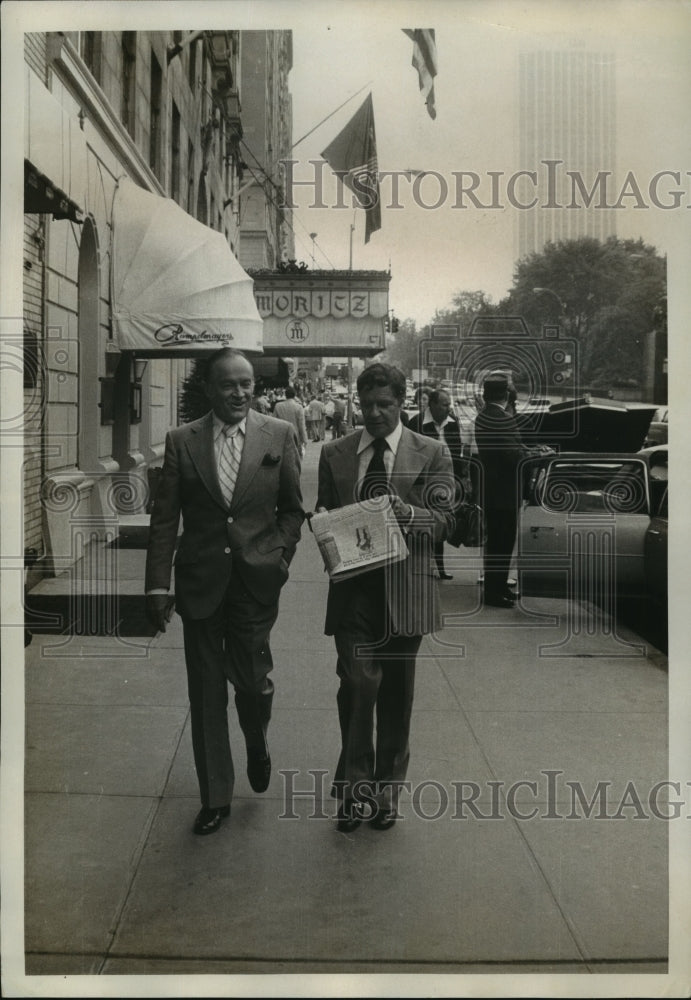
[(403, 512), (159, 609)]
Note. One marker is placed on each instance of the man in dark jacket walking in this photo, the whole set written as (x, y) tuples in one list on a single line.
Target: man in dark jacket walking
[(501, 451)]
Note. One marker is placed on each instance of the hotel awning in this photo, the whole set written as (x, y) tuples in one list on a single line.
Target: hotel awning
[(42, 196), (176, 288)]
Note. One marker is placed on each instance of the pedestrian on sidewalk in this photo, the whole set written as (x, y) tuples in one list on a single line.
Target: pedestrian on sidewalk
[(289, 409), (234, 475), (439, 422), (338, 420), (501, 451), (315, 416), (378, 618)]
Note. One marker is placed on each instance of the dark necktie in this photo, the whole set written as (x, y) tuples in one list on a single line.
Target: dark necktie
[(375, 482)]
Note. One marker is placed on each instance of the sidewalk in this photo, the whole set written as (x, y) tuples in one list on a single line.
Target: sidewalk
[(117, 884)]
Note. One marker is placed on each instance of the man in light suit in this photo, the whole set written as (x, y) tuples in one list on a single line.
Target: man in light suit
[(378, 618), (289, 409), (234, 475)]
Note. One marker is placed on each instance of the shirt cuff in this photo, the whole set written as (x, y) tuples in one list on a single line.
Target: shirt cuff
[(157, 590)]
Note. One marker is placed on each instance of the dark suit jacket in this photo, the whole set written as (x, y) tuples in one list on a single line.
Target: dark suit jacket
[(501, 450), (420, 465), (255, 537)]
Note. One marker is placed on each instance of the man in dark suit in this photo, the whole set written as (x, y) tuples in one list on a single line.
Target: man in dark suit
[(437, 421), (234, 475), (378, 618), (501, 451)]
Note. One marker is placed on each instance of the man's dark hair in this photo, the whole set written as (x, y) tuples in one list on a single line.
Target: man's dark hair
[(495, 389), (222, 354), (290, 392), (380, 375), (434, 395)]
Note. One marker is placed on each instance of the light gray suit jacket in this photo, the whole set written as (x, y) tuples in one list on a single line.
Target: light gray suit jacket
[(422, 477)]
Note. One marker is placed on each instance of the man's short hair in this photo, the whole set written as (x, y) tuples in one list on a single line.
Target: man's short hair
[(379, 376), (290, 392), (223, 354), (434, 395), (495, 388)]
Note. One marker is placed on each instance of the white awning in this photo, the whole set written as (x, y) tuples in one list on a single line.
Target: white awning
[(177, 290)]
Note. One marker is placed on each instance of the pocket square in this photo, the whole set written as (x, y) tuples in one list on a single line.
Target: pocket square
[(271, 459)]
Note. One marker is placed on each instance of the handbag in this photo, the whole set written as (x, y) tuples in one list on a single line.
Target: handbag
[(469, 526)]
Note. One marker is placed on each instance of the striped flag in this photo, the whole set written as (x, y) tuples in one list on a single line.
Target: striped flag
[(353, 157), (425, 62)]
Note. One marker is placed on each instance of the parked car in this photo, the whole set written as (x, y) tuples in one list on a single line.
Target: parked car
[(657, 431), (594, 526)]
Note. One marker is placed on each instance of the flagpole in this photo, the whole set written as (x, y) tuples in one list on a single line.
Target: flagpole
[(352, 230), (331, 114)]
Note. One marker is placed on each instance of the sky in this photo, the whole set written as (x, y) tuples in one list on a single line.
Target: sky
[(436, 252)]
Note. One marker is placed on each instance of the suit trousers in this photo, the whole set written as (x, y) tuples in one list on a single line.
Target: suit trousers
[(501, 526), (377, 678), (232, 645)]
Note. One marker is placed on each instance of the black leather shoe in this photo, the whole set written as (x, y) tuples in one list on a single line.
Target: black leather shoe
[(349, 817), (384, 819), (208, 820), (500, 601), (446, 576), (258, 770)]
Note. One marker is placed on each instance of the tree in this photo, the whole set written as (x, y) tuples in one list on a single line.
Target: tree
[(192, 400), (465, 306), (402, 347), (604, 295)]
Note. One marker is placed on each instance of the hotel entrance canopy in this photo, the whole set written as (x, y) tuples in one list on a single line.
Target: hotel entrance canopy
[(177, 290)]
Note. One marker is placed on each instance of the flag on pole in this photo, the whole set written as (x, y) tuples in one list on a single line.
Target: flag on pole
[(353, 157), (425, 62)]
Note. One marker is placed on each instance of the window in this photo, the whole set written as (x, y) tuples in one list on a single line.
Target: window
[(595, 487), (175, 154), (128, 47), (192, 67), (91, 52), (155, 120), (190, 177)]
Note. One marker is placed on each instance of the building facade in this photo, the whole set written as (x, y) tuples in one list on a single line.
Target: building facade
[(266, 231), (164, 110), (566, 126)]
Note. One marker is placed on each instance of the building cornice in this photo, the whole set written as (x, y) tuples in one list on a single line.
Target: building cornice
[(73, 72)]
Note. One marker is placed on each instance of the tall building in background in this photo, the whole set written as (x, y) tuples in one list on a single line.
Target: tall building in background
[(566, 113)]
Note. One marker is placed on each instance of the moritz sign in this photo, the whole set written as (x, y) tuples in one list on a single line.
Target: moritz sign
[(326, 313)]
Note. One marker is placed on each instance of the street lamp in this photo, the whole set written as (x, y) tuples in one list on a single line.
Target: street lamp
[(550, 291), (313, 237)]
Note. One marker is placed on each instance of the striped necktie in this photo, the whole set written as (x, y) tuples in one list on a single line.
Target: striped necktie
[(229, 461)]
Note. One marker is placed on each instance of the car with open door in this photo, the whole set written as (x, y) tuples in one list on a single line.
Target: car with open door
[(593, 526)]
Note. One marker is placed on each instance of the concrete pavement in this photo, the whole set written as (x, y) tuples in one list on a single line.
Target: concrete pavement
[(495, 867)]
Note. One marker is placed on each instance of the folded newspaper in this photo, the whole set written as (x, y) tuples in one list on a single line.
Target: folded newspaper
[(358, 538)]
